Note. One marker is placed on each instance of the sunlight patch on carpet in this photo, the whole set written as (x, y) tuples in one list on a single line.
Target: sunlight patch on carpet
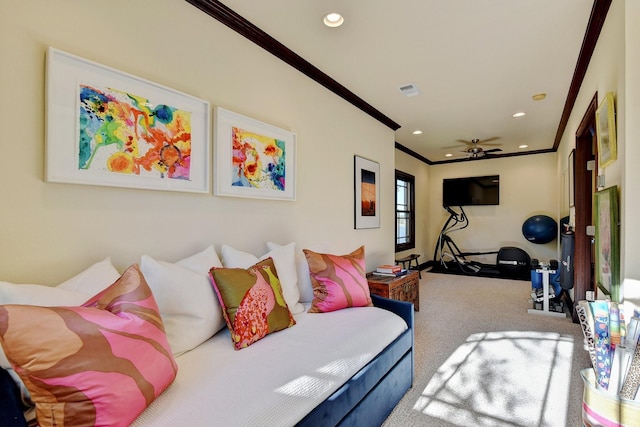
[(512, 378)]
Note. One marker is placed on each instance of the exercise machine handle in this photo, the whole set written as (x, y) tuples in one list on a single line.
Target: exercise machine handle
[(455, 216), (451, 211)]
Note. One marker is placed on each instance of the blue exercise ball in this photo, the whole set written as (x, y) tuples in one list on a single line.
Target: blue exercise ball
[(540, 229)]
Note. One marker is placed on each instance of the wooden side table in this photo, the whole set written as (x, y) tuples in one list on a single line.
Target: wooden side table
[(403, 288)]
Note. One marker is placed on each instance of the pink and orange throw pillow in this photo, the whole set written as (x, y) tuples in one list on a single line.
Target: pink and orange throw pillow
[(101, 363), (339, 281)]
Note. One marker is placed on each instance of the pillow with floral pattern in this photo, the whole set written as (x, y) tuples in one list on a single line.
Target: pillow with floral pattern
[(252, 301)]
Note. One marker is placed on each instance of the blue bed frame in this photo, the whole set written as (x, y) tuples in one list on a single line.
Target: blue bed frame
[(372, 393), (365, 400)]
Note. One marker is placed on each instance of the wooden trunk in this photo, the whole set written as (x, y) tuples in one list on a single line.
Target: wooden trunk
[(404, 288)]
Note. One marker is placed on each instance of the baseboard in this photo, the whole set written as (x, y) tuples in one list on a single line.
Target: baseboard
[(486, 271)]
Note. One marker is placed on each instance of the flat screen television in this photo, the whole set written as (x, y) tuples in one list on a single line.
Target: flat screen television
[(474, 190)]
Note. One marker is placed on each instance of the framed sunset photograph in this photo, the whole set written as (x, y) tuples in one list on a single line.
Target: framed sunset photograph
[(366, 193)]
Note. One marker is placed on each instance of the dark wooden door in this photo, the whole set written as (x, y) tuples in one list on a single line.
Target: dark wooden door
[(584, 189)]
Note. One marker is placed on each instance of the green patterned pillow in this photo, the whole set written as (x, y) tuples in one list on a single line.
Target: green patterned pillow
[(252, 301)]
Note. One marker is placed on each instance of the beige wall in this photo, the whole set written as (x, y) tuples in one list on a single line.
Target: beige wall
[(613, 68), (631, 177), (527, 187), (605, 74), (51, 231)]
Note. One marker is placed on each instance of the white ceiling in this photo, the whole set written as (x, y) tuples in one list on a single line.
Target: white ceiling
[(475, 62)]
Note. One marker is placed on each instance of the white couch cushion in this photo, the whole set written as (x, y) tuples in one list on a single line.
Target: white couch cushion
[(284, 259), (189, 308), (302, 268), (92, 280), (69, 293)]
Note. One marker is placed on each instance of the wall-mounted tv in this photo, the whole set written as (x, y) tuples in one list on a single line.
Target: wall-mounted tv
[(474, 190)]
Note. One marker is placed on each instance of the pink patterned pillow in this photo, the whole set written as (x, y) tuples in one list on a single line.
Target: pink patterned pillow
[(101, 363), (338, 281), (252, 301)]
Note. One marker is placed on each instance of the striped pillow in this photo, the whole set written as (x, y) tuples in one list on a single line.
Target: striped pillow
[(339, 281), (101, 363)]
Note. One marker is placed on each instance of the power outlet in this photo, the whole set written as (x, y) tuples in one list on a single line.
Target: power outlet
[(590, 296)]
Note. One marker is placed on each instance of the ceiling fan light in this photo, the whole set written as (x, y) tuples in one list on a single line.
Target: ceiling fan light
[(519, 114), (333, 19)]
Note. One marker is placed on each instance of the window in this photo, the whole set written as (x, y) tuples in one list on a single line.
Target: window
[(405, 211)]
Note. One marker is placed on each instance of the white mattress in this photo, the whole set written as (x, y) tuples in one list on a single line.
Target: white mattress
[(277, 380)]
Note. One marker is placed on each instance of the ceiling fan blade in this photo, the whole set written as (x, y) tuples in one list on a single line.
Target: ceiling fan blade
[(492, 150), (465, 142), (484, 141), (476, 141)]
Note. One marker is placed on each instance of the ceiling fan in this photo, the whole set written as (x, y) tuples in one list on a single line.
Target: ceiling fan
[(474, 151)]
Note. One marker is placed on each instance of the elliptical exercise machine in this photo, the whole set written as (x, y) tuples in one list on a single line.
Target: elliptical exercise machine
[(510, 261), (446, 249)]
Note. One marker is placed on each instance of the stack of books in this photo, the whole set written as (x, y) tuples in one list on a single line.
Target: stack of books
[(390, 270)]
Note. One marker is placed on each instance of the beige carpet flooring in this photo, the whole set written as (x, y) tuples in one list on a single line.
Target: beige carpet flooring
[(482, 360)]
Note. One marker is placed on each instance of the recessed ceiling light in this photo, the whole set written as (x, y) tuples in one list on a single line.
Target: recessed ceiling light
[(520, 114), (333, 19), (417, 132), (523, 146), (539, 96), (448, 155)]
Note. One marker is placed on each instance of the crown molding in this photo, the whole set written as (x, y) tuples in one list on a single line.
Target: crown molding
[(231, 19)]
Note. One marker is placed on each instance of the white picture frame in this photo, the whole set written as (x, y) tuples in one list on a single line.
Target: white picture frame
[(109, 128), (252, 158)]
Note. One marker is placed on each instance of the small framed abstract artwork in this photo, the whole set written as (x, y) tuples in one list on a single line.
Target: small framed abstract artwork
[(252, 158), (606, 131), (366, 193), (107, 127), (607, 242)]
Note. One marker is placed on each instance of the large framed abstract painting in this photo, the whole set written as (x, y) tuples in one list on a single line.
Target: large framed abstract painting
[(607, 242), (253, 159), (366, 193), (107, 127)]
